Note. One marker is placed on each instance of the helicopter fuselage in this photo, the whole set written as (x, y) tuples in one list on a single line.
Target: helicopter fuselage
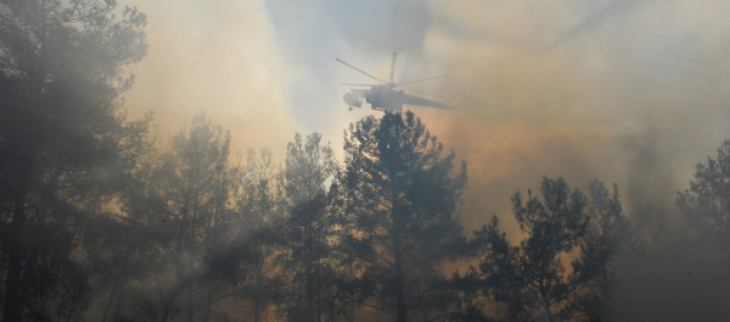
[(387, 99), (387, 96), (380, 98)]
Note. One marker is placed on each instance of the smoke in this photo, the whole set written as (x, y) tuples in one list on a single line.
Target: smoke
[(624, 91), (683, 285), (632, 92), (220, 58)]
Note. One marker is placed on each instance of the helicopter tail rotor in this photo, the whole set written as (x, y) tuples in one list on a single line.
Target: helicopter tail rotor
[(468, 98)]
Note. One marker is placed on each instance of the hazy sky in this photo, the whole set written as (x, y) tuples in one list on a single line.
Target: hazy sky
[(627, 91)]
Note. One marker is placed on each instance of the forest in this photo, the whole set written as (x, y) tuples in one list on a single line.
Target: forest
[(103, 221)]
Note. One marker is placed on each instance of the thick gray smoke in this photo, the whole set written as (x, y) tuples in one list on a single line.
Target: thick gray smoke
[(632, 92), (626, 92)]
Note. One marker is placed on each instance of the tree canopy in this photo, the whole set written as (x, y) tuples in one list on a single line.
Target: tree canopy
[(706, 204), (402, 198), (100, 222), (63, 138)]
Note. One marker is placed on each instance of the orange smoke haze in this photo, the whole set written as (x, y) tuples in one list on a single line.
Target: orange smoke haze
[(626, 92), (631, 92), (218, 57)]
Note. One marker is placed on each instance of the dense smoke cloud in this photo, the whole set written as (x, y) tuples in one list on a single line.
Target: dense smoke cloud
[(220, 58), (622, 91), (626, 92), (632, 92)]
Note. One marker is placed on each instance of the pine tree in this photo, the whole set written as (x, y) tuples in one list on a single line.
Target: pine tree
[(63, 139), (402, 197), (706, 204), (309, 233), (530, 279)]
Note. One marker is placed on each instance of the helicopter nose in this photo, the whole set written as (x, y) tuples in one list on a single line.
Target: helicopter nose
[(352, 100)]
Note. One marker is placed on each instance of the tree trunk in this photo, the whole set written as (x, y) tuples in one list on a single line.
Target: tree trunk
[(174, 294), (28, 274), (310, 292), (190, 305), (208, 300), (166, 313), (400, 298), (113, 293), (256, 311), (545, 304), (13, 308)]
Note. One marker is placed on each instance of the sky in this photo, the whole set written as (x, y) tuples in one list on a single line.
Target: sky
[(626, 91)]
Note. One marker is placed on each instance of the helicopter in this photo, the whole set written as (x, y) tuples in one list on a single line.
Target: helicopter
[(388, 97)]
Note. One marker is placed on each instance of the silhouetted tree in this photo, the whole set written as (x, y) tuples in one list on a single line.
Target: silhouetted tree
[(62, 139), (608, 235), (175, 211), (118, 244), (195, 189), (706, 204), (401, 197), (309, 233), (530, 278), (259, 203)]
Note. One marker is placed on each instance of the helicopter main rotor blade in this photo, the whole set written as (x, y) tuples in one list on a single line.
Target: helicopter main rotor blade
[(422, 93), (356, 84), (392, 66), (359, 70), (423, 80)]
